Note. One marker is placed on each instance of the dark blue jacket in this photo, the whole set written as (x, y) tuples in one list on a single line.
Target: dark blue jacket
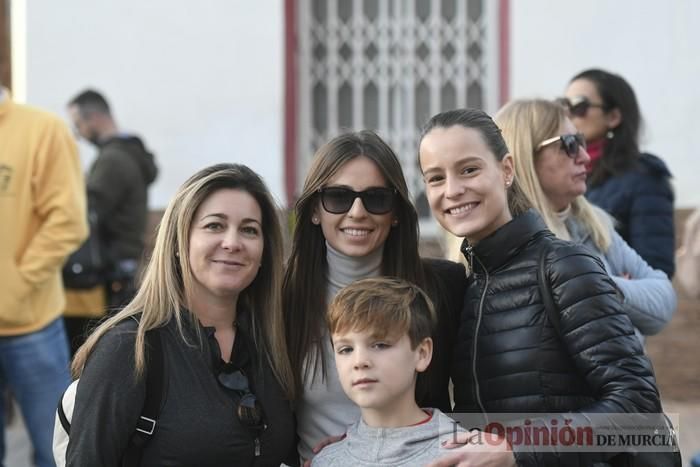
[(641, 201)]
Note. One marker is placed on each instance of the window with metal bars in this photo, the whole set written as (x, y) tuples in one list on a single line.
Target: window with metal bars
[(388, 65)]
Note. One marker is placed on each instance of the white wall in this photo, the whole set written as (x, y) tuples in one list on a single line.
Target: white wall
[(201, 81), (652, 44)]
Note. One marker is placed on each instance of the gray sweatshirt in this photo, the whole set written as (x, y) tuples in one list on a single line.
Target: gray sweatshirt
[(413, 446)]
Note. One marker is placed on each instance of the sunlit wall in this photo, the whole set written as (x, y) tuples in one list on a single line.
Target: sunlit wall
[(201, 81), (653, 44)]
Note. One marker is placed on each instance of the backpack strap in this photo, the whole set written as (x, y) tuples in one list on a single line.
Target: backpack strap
[(65, 423), (155, 382), (61, 424), (546, 292)]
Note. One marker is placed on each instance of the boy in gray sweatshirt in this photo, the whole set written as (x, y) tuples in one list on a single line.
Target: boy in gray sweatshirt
[(380, 329)]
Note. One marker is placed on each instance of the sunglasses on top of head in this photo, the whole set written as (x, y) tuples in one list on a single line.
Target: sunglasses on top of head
[(339, 200), (578, 106), (570, 143), (248, 410)]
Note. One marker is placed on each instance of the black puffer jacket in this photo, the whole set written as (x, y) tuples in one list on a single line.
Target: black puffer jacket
[(509, 358)]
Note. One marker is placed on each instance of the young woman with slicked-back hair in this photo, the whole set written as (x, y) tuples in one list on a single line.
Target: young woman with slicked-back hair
[(513, 355)]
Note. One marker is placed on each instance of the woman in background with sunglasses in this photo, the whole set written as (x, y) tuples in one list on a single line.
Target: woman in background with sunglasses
[(550, 163), (509, 357), (354, 219), (212, 292), (633, 187)]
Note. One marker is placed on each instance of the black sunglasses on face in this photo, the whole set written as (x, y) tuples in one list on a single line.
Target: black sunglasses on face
[(578, 106), (339, 200), (570, 143), (249, 411)]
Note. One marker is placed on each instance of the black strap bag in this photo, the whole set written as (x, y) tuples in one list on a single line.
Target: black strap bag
[(86, 266), (671, 457)]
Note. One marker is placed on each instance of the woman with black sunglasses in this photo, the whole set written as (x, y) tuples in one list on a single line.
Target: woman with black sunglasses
[(633, 187), (354, 219), (550, 163), (207, 322)]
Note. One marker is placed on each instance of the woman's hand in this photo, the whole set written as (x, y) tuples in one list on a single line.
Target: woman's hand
[(324, 442), (491, 451)]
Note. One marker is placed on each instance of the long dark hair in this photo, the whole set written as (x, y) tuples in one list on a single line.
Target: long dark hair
[(479, 120), (303, 290), (622, 150)]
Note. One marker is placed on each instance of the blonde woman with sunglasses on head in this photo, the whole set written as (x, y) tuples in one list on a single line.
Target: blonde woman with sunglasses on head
[(550, 163)]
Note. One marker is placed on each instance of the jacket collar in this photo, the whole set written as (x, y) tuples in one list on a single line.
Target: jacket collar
[(241, 353), (498, 248)]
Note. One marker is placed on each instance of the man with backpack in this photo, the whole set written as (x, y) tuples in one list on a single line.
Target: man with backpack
[(117, 192)]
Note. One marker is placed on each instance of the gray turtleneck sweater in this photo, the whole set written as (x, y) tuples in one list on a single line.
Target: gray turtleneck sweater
[(324, 409), (365, 446)]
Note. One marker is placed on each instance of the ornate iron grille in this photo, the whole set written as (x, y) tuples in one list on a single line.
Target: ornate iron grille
[(389, 65)]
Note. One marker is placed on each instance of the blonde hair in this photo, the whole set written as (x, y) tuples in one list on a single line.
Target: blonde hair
[(163, 294), (525, 124), (383, 306)]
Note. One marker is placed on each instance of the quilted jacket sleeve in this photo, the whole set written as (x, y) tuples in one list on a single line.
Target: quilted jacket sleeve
[(650, 223), (600, 339)]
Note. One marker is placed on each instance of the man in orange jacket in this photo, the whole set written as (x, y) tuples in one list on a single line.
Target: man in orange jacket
[(42, 220)]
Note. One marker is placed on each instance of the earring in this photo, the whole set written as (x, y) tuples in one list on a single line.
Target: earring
[(610, 134), (395, 222), (315, 220), (508, 182)]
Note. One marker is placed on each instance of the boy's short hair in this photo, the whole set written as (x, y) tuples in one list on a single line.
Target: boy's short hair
[(383, 306)]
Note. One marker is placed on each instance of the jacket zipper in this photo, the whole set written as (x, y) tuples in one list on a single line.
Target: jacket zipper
[(256, 441), (480, 311)]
